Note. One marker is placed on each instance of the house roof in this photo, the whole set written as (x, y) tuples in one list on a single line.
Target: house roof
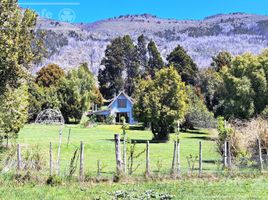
[(123, 93), (98, 112), (108, 108)]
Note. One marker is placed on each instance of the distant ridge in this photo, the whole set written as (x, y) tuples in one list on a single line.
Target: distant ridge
[(71, 44)]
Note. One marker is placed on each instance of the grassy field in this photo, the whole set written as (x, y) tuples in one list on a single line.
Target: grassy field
[(99, 145), (195, 189)]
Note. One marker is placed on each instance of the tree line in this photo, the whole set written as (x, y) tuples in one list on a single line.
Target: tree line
[(233, 86), (125, 62), (23, 95), (168, 92)]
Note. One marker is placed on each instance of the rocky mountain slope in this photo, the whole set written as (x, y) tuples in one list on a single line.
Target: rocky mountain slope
[(71, 44)]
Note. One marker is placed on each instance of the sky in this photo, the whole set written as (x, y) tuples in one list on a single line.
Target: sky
[(93, 10)]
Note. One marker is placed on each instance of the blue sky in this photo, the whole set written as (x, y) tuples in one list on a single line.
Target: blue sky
[(93, 10)]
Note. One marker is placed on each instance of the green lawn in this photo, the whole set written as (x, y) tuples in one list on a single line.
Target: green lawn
[(99, 145), (193, 189)]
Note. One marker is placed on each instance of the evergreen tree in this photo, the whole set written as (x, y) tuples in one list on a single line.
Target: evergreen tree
[(131, 64), (121, 67), (142, 52), (222, 59), (183, 64), (111, 76), (155, 62)]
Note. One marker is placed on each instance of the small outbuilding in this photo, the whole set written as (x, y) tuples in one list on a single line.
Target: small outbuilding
[(118, 107)]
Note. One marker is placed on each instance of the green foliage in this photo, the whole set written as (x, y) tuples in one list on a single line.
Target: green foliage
[(87, 121), (245, 82), (161, 102), (223, 59), (211, 85), (54, 180), (13, 111), (236, 87), (121, 57), (131, 64), (197, 115), (16, 39), (17, 44), (111, 77), (41, 98), (110, 119), (224, 132), (155, 62), (184, 64), (75, 92), (49, 75), (142, 51)]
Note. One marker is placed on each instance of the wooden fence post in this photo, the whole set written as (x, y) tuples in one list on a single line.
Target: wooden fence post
[(173, 167), (99, 168), (260, 154), (59, 147), (225, 154), (147, 174), (81, 172), (50, 159), (19, 157), (229, 155), (125, 154), (200, 159), (178, 158), (69, 135), (118, 155)]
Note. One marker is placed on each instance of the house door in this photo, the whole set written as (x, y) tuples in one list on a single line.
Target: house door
[(120, 115)]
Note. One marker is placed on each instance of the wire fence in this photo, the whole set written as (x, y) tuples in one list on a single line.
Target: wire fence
[(119, 157)]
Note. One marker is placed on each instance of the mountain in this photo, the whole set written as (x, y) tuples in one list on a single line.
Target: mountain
[(70, 44)]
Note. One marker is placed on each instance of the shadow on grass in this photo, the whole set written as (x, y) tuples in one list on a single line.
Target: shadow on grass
[(194, 132), (142, 141), (203, 138), (136, 128), (211, 161)]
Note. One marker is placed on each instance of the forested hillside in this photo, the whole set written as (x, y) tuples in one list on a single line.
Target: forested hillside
[(70, 44)]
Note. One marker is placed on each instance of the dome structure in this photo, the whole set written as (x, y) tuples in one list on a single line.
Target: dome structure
[(50, 116)]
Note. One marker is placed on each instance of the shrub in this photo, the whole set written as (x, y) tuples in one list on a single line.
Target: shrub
[(233, 135), (54, 180), (110, 119)]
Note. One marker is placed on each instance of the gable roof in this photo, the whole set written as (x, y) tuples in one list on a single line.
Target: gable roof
[(123, 93)]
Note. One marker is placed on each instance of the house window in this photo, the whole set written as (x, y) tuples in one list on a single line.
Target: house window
[(122, 103)]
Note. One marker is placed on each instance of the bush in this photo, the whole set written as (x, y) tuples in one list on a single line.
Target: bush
[(242, 136), (87, 121), (197, 115), (233, 135), (54, 180), (110, 119)]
